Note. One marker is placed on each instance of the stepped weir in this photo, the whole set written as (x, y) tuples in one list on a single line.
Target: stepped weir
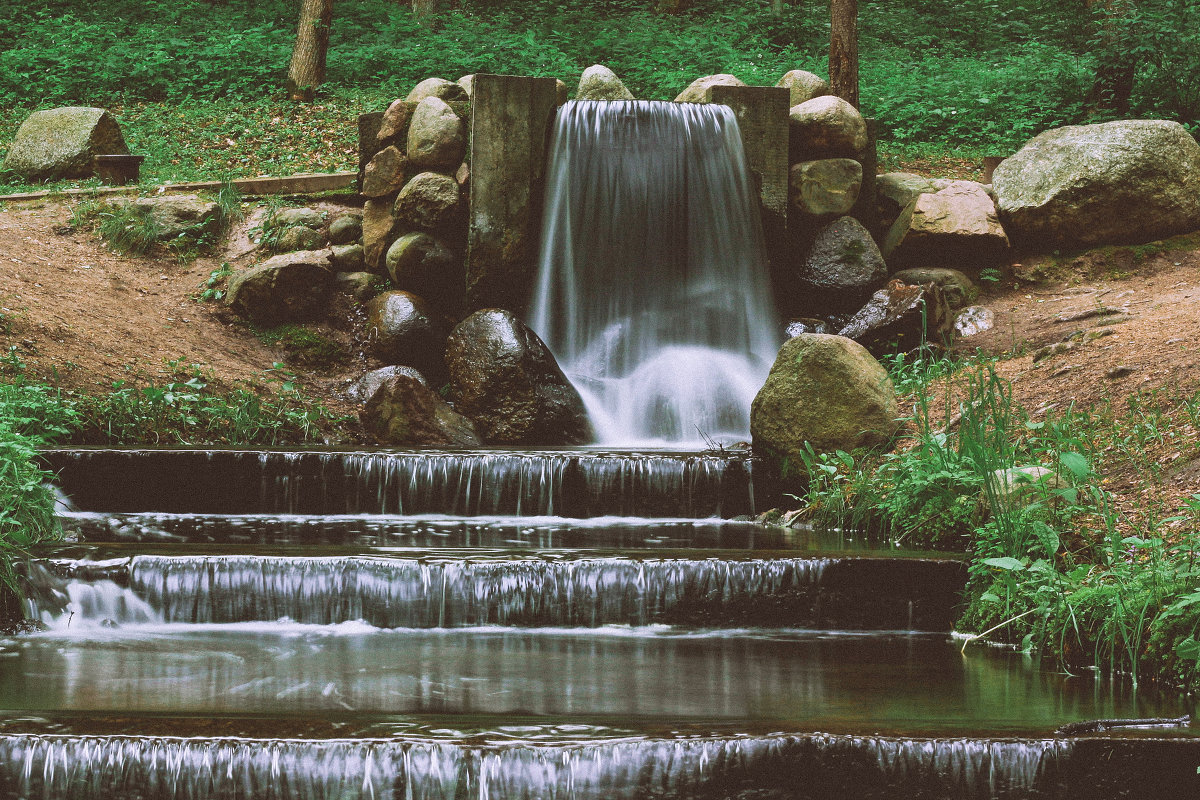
[(575, 624)]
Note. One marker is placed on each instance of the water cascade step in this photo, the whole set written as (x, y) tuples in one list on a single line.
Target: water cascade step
[(567, 483), (653, 290)]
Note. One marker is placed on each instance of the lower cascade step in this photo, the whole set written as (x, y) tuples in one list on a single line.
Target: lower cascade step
[(548, 590), (778, 767)]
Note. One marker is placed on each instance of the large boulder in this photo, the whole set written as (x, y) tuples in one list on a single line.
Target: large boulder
[(403, 411), (895, 190), (427, 202), (827, 391), (598, 82), (697, 90), (826, 127), (900, 318), (825, 187), (403, 329), (284, 288), (803, 86), (956, 226), (1115, 182), (440, 88), (386, 173), (180, 215), (437, 137), (842, 268), (504, 378), (61, 143), (419, 263)]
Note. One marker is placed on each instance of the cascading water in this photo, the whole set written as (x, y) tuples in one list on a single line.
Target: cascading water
[(653, 290)]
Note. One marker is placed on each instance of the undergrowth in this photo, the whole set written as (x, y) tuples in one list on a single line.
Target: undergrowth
[(1056, 566)]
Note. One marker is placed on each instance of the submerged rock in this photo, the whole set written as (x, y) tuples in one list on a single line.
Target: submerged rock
[(1115, 182), (827, 391), (504, 378), (402, 410), (901, 318), (62, 142)]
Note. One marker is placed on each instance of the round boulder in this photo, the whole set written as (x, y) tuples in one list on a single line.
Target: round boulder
[(440, 88), (842, 268), (827, 391), (61, 143), (1111, 183), (347, 257), (503, 377), (402, 410), (420, 263), (803, 86), (285, 288), (428, 201), (598, 82), (298, 237), (826, 127), (345, 229), (825, 187), (437, 137), (403, 329), (697, 90)]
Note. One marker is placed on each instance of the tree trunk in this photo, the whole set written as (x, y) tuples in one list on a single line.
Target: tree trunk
[(426, 10), (1116, 69), (673, 6), (843, 50), (307, 70), (777, 7)]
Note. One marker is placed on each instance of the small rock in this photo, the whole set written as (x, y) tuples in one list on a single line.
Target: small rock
[(440, 88), (560, 91), (598, 82), (345, 229), (361, 390), (387, 172), (1052, 350), (404, 411), (180, 215), (958, 287), (974, 319), (467, 82), (347, 257), (291, 217), (298, 237), (379, 231), (806, 325), (359, 285), (1120, 371), (1024, 484), (901, 318)]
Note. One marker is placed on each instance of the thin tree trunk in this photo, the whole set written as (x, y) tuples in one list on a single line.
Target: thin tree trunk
[(777, 7), (307, 70), (426, 10), (843, 50), (1116, 69), (673, 6)]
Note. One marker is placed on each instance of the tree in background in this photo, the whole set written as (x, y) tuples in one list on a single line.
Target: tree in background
[(426, 10), (843, 50), (1116, 62), (307, 70)]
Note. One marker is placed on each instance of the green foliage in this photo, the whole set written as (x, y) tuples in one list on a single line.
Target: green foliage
[(304, 346), (213, 289)]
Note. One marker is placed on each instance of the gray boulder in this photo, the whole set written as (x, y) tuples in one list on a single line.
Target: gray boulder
[(419, 263), (825, 187), (956, 226), (437, 137), (958, 288), (393, 128), (345, 229), (900, 318), (697, 90), (803, 86), (1086, 185), (598, 82), (386, 173), (361, 390), (347, 257), (403, 411), (826, 127), (180, 215), (403, 329), (827, 391), (286, 288), (427, 202), (504, 378), (61, 143), (842, 268), (440, 88), (298, 237), (290, 217)]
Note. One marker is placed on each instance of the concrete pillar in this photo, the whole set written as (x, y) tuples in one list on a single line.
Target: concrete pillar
[(762, 114), (510, 132)]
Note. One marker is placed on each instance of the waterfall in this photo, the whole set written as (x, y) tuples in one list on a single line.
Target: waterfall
[(653, 290)]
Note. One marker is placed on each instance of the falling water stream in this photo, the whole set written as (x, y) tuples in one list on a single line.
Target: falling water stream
[(653, 290)]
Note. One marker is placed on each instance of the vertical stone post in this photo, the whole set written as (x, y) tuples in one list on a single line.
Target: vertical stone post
[(762, 115), (510, 133)]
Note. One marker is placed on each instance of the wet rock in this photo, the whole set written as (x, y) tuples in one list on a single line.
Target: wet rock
[(421, 264), (345, 229), (843, 267), (403, 329), (825, 187), (826, 390), (298, 237), (956, 226), (901, 318), (180, 215), (437, 137), (427, 202), (598, 82), (973, 320), (697, 90), (803, 86), (61, 143), (504, 378), (386, 174), (379, 231), (806, 325), (393, 128), (404, 411), (361, 390), (1115, 182), (440, 88), (286, 288), (826, 127), (958, 288), (359, 285), (347, 257)]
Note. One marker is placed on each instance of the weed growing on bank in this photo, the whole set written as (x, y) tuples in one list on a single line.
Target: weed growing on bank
[(1057, 566)]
